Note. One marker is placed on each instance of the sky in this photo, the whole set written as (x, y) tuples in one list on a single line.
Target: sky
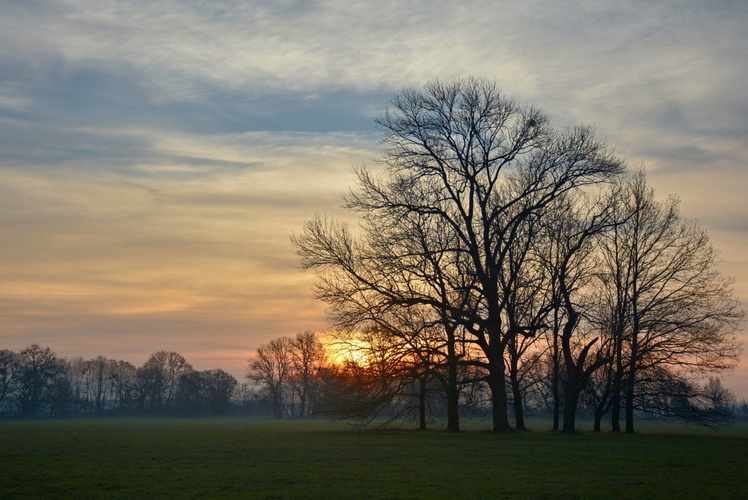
[(156, 156)]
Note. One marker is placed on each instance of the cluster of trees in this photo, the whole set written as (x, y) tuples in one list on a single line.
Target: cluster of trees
[(34, 382), (499, 256)]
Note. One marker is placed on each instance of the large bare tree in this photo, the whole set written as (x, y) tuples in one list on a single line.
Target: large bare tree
[(466, 171)]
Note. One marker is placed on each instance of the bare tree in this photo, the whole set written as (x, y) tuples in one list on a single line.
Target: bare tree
[(572, 235), (308, 358), (37, 369), (406, 349), (529, 298), (9, 367), (218, 387), (375, 378), (466, 171), (671, 310), (158, 379), (60, 396), (402, 268), (123, 375), (271, 368), (94, 384)]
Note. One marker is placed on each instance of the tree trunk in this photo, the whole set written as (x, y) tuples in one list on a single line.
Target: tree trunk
[(453, 393), (302, 406), (573, 384), (571, 400), (556, 371), (422, 404), (629, 401), (598, 419), (302, 396), (499, 401), (631, 380), (615, 408), (556, 393), (277, 402), (519, 417)]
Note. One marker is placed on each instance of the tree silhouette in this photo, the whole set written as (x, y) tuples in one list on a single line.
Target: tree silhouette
[(466, 171)]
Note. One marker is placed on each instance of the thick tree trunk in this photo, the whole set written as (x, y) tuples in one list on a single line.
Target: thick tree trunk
[(499, 400), (453, 393), (573, 384), (572, 390), (571, 400)]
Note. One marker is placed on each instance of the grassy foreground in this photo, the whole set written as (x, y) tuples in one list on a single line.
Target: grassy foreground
[(317, 459)]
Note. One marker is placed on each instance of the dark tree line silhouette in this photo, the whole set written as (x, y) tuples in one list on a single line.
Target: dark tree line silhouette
[(34, 382)]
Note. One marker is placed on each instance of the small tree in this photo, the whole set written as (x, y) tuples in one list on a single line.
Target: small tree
[(157, 380), (308, 359), (271, 368), (9, 370), (219, 388), (373, 378), (38, 368)]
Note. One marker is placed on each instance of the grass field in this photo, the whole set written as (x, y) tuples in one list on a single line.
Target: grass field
[(317, 459)]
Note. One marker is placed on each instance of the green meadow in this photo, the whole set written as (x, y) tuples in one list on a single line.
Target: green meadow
[(318, 459)]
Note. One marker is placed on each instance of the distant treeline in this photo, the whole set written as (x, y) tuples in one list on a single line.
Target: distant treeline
[(289, 377), (35, 382)]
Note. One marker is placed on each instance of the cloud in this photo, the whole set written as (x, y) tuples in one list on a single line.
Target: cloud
[(152, 255)]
